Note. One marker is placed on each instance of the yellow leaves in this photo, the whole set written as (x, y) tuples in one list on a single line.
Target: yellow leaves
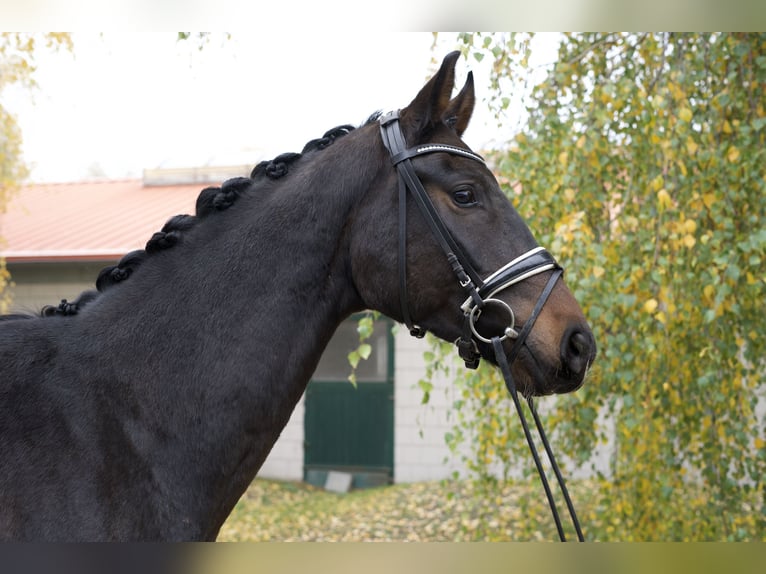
[(682, 232), (661, 306), (580, 142), (732, 154), (563, 158), (708, 292), (685, 114), (630, 223), (569, 194), (448, 510), (650, 306), (760, 444), (691, 146), (568, 229), (663, 199), (598, 272)]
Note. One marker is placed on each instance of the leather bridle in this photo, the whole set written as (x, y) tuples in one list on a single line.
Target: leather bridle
[(480, 292)]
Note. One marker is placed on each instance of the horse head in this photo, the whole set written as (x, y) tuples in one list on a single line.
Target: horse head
[(468, 267)]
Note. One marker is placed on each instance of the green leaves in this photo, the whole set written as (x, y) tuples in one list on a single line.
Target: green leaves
[(361, 352), (642, 168), (364, 327)]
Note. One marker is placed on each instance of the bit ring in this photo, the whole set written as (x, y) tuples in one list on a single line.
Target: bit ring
[(508, 333)]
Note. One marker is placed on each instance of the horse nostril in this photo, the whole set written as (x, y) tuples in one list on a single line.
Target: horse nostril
[(577, 351), (578, 344)]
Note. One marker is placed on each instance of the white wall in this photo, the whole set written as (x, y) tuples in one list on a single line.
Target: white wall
[(285, 462), (420, 452), (419, 447)]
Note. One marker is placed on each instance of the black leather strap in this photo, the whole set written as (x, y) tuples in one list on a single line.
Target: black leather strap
[(524, 333), (440, 232), (504, 361), (393, 140)]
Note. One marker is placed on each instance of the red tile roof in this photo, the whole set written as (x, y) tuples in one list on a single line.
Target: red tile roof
[(88, 221)]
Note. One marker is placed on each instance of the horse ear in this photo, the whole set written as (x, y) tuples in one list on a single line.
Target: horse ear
[(459, 110), (432, 101)]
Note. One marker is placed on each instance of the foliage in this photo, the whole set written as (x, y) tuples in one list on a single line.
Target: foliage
[(642, 168), (364, 327), (17, 62), (438, 511), (496, 441)]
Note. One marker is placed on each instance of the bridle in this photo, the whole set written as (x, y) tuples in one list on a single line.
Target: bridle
[(480, 292)]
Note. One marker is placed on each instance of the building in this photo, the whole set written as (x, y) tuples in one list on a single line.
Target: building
[(57, 237)]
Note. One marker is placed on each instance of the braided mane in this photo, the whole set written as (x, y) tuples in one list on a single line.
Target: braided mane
[(210, 200)]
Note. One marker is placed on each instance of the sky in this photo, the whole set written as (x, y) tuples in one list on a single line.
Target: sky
[(125, 101)]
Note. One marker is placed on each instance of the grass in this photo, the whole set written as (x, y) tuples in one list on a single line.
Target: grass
[(462, 511), (427, 511)]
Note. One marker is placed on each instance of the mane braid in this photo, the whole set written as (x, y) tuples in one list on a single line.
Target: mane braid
[(210, 200)]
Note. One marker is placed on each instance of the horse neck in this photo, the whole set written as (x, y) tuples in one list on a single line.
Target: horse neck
[(220, 334)]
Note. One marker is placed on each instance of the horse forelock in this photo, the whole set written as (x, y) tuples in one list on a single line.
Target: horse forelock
[(210, 200)]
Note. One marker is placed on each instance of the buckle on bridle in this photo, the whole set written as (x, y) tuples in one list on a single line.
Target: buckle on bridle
[(468, 351), (417, 331)]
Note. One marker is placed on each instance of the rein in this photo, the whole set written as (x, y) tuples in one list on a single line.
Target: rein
[(480, 293)]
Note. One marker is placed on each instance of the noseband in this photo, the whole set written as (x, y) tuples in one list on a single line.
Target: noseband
[(480, 292)]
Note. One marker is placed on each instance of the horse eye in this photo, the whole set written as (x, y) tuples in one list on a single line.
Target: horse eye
[(464, 197)]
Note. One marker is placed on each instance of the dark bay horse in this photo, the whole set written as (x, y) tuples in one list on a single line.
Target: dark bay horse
[(143, 410)]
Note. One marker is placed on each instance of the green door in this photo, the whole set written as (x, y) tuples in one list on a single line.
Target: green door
[(351, 429)]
